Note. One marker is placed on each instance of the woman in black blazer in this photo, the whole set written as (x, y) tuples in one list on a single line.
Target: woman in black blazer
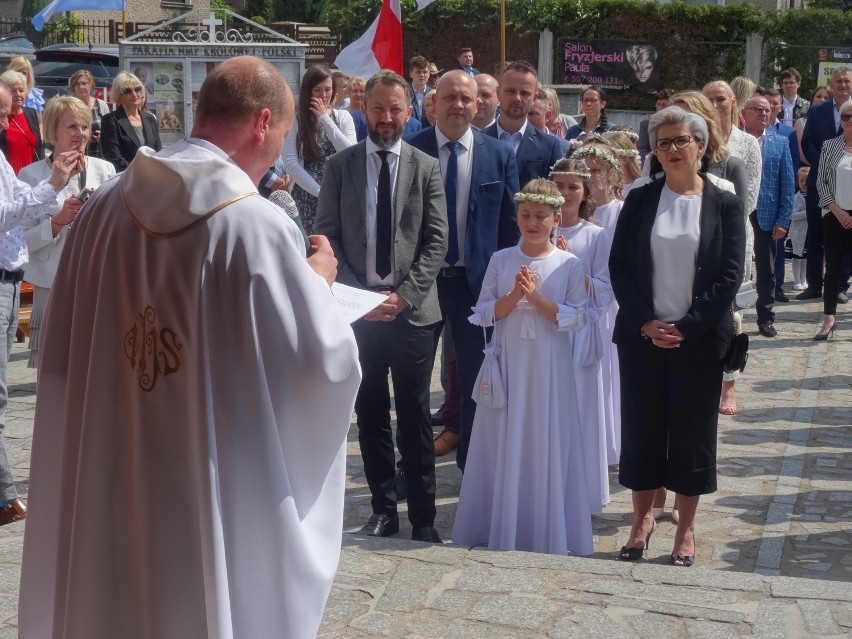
[(128, 127), (834, 185), (676, 264)]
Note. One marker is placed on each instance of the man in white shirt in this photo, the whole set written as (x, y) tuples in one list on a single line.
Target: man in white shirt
[(195, 389), (19, 202), (480, 180), (383, 209), (794, 106)]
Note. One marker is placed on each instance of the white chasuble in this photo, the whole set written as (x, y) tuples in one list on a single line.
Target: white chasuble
[(195, 390)]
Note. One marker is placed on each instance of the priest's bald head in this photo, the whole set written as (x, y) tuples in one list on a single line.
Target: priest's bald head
[(246, 109)]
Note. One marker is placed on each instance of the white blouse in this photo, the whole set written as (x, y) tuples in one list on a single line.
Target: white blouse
[(843, 183), (674, 247), (746, 147)]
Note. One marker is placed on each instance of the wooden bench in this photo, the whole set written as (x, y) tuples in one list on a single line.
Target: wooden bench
[(25, 311)]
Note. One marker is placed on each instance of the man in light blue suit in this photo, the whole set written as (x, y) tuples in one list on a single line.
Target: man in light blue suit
[(480, 180), (535, 152), (771, 219)]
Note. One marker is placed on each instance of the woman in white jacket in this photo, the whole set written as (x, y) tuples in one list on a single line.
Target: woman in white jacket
[(318, 133), (66, 123)]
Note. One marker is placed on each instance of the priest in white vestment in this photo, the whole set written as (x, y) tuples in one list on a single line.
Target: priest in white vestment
[(194, 394)]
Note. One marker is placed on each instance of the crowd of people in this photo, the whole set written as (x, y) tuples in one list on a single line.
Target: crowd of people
[(585, 282)]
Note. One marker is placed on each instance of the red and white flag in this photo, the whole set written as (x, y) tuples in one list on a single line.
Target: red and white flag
[(379, 48), (422, 4)]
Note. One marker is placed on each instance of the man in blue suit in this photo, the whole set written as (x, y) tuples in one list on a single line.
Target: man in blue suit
[(480, 180), (785, 131), (535, 151), (774, 206), (823, 124)]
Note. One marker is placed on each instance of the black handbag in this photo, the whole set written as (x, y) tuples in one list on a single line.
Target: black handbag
[(737, 355)]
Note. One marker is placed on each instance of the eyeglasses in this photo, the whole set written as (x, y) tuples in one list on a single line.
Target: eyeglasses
[(590, 100), (759, 110), (130, 90), (680, 142), (846, 117)]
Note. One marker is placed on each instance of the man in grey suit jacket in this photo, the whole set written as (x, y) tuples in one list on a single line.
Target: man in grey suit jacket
[(383, 209)]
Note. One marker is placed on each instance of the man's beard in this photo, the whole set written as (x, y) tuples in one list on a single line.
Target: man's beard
[(385, 142)]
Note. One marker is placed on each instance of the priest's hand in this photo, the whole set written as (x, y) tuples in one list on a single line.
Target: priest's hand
[(63, 166), (322, 259)]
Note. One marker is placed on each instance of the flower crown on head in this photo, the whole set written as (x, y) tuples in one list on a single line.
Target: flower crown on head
[(596, 152), (626, 153), (551, 200), (577, 172)]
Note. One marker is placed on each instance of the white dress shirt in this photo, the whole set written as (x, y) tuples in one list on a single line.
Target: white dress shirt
[(511, 138), (465, 170), (674, 247), (374, 165)]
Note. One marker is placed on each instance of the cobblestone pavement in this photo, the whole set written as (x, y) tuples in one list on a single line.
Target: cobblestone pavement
[(773, 544)]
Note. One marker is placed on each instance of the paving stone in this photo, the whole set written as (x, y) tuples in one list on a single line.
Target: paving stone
[(515, 611), (567, 628), (439, 628), (490, 579), (376, 623), (601, 625), (818, 618), (710, 630), (455, 601), (788, 587), (410, 585), (700, 577), (652, 592), (550, 562), (770, 622), (657, 626)]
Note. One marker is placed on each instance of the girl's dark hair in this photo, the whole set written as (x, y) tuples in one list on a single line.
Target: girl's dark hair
[(308, 135), (603, 123)]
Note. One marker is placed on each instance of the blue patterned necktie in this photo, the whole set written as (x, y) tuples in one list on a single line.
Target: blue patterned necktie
[(451, 183)]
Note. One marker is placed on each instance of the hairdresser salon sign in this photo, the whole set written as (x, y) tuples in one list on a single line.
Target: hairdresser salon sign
[(612, 64)]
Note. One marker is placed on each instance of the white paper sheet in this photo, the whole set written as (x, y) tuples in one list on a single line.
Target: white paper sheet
[(353, 302)]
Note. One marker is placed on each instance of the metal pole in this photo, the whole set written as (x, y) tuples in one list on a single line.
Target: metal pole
[(502, 34)]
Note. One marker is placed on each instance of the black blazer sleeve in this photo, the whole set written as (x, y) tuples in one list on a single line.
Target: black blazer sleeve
[(119, 143), (707, 327)]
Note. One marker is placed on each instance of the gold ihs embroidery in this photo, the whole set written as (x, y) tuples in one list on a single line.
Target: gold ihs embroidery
[(153, 351)]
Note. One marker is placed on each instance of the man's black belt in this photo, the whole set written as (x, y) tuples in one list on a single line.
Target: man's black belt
[(453, 271), (11, 276)]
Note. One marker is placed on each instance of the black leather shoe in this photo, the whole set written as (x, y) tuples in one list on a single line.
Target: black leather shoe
[(781, 296), (766, 329), (427, 534), (400, 484), (842, 298), (809, 294), (381, 525)]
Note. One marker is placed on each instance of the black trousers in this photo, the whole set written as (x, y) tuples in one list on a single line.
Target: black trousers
[(814, 239), (456, 300), (407, 351), (838, 242), (764, 265), (669, 418)]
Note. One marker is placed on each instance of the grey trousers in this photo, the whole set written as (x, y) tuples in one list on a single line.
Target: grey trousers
[(9, 300)]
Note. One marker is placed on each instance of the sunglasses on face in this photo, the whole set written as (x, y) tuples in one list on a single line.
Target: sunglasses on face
[(131, 90), (680, 142), (846, 117)]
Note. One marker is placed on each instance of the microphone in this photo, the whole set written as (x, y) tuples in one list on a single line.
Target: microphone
[(283, 200)]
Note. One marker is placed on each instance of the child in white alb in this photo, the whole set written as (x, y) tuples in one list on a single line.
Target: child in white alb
[(799, 230)]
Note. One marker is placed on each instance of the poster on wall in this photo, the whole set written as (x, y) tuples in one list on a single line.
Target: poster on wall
[(829, 60), (612, 64)]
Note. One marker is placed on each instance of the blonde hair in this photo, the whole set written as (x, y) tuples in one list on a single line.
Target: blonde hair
[(736, 107), (599, 149), (24, 67), (123, 80), (743, 89), (698, 104), (540, 186), (55, 108), (623, 146)]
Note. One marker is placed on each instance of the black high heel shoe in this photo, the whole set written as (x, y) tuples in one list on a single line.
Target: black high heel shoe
[(822, 337), (682, 560), (634, 554)]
